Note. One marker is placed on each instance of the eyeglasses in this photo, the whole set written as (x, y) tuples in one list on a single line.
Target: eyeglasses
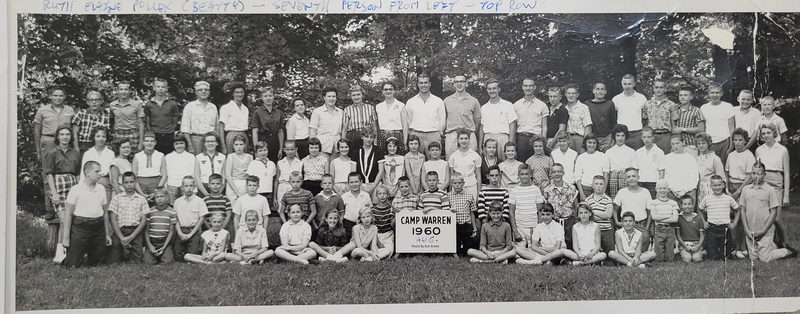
[(202, 89), (388, 89)]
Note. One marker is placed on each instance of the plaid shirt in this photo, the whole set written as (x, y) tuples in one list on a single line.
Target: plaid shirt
[(401, 203), (562, 198), (360, 117), (579, 118), (658, 113), (86, 121), (129, 210), (464, 204), (687, 118)]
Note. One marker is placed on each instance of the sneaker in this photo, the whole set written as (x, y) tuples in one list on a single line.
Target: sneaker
[(641, 266), (793, 251), (61, 254), (504, 262), (322, 259), (549, 263), (523, 261), (475, 260), (576, 263), (341, 259), (245, 263)]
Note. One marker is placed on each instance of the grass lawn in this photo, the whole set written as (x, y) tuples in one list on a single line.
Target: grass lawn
[(40, 285)]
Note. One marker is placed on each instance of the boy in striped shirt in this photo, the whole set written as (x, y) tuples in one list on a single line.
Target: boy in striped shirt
[(433, 198), (492, 192), (665, 215), (159, 230), (717, 207), (603, 212), (217, 202), (525, 200)]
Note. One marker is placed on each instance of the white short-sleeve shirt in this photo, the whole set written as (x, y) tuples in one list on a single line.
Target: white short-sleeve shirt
[(717, 120), (234, 117), (635, 202), (88, 202), (629, 110), (389, 116), (495, 118)]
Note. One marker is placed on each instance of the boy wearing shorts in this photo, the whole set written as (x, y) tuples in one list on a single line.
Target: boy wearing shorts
[(496, 239), (547, 240)]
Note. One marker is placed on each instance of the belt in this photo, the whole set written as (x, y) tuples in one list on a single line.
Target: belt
[(418, 131), (53, 136), (86, 219), (659, 224), (775, 171), (198, 134), (571, 133), (661, 131), (527, 133)]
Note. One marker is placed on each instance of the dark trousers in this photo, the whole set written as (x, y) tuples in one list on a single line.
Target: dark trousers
[(167, 257), (273, 146), (607, 240), (568, 223), (192, 245), (664, 242), (524, 146), (87, 236), (164, 142), (302, 148), (721, 149), (348, 226), (130, 253), (464, 239), (354, 140), (313, 186), (634, 140), (716, 243)]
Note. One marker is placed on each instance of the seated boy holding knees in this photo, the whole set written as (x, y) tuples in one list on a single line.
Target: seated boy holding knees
[(547, 240), (629, 244), (215, 244), (160, 230), (295, 236), (496, 239), (251, 245)]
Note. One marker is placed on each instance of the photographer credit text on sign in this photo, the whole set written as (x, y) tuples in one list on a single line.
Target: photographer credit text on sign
[(434, 232)]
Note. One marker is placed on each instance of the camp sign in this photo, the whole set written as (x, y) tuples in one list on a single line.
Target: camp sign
[(434, 232)]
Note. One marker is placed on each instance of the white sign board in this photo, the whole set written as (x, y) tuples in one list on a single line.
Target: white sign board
[(434, 232)]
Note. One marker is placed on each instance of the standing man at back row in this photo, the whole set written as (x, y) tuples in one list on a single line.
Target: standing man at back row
[(463, 110), (532, 115), (498, 119), (426, 116), (629, 106), (128, 116), (199, 117), (161, 116), (720, 120)]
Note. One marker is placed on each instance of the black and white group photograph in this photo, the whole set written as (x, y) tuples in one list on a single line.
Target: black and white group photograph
[(213, 160)]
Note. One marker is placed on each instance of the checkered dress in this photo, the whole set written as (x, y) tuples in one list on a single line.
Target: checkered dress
[(64, 182)]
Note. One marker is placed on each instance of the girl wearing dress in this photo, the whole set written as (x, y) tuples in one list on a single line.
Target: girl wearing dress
[(236, 165), (489, 159), (393, 166), (101, 154), (341, 167), (436, 164), (585, 239), (365, 237), (539, 162), (509, 168), (414, 160), (589, 164), (208, 162), (708, 164), (120, 165)]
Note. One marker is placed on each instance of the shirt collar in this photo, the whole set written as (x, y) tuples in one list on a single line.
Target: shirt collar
[(496, 223)]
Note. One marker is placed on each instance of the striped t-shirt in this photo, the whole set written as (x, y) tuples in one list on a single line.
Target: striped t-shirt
[(383, 217), (660, 207), (718, 208), (436, 199), (160, 222), (218, 204), (304, 198), (487, 196), (600, 204), (526, 198)]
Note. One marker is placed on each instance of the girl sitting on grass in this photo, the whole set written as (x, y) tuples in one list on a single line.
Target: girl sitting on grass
[(332, 242), (585, 239), (215, 243), (365, 238), (295, 236)]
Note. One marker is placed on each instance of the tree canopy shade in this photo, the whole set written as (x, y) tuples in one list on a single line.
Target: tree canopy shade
[(300, 54)]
